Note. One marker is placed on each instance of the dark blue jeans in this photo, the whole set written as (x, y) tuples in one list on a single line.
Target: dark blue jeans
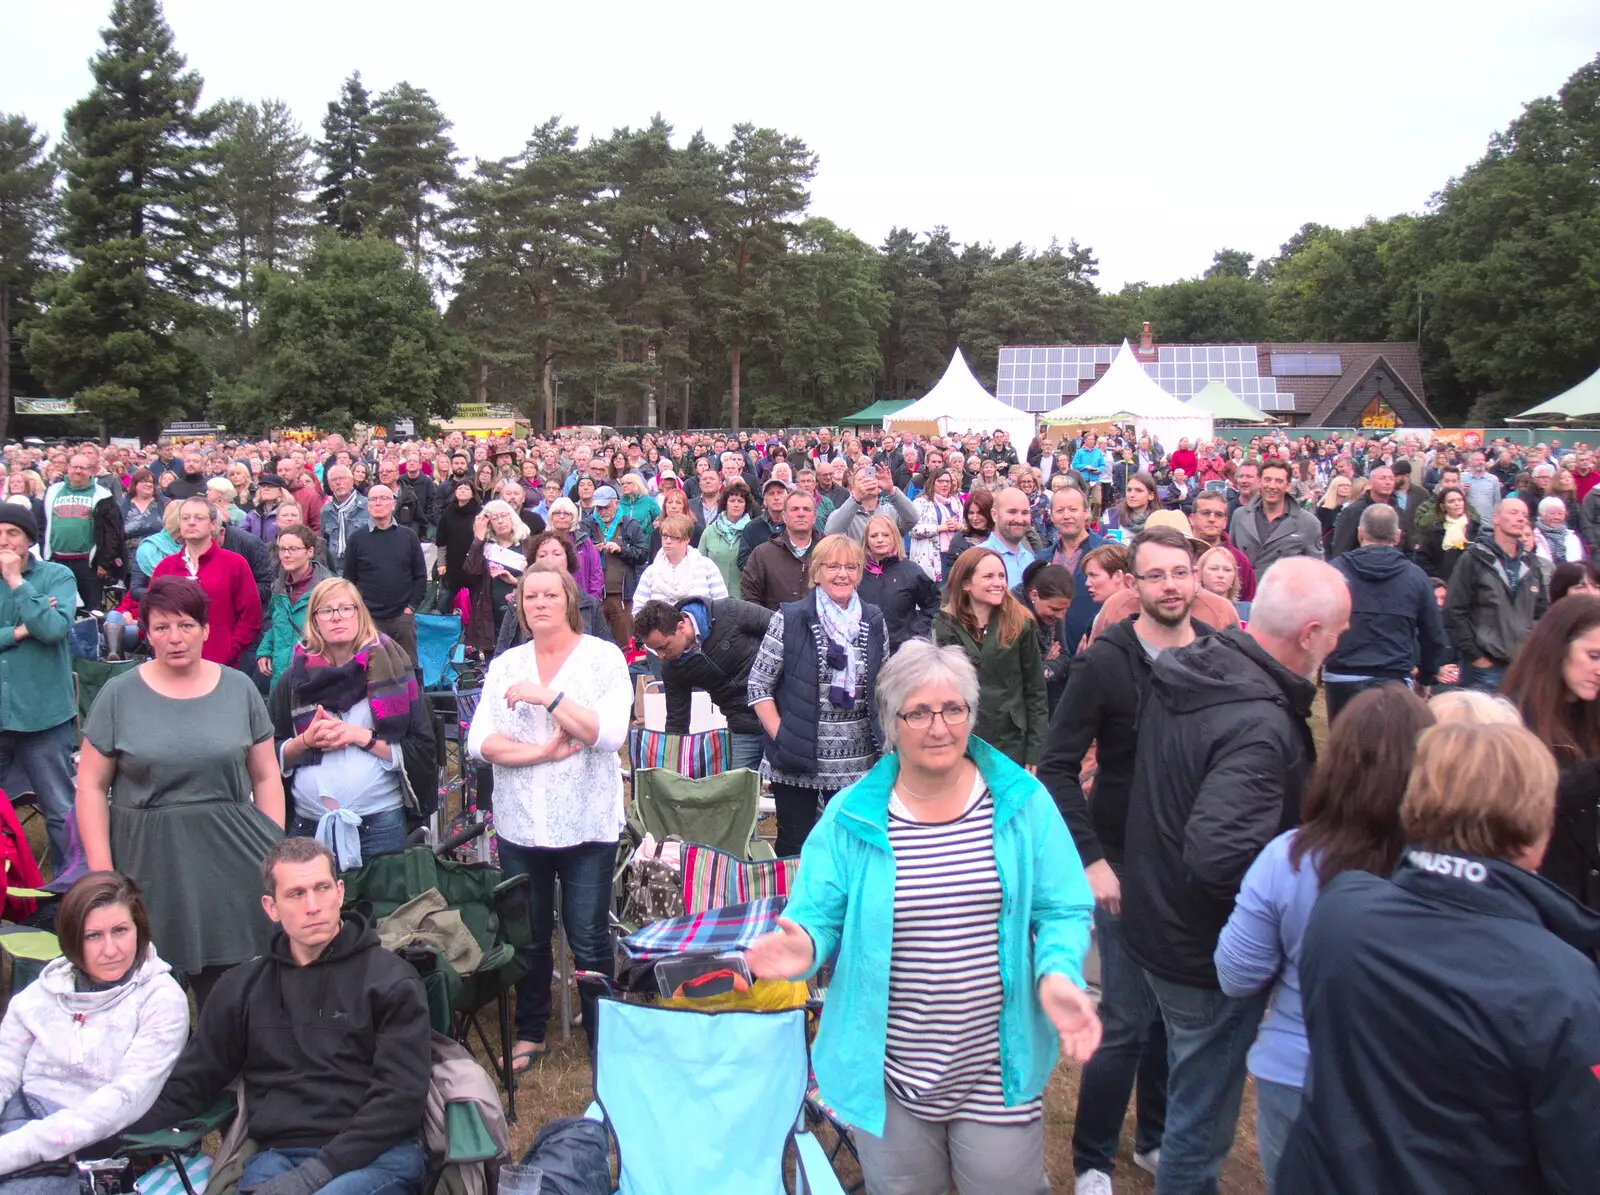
[(585, 872), (398, 1170), (46, 756), (1208, 1038), (1483, 680), (1133, 1043), (1341, 693), (380, 833)]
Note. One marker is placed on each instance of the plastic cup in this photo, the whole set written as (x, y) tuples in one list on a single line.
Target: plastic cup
[(521, 1180)]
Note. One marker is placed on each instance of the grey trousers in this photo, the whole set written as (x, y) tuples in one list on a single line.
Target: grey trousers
[(924, 1157)]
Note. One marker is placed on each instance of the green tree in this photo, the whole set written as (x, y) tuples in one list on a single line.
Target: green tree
[(352, 337), (530, 258), (1029, 298), (767, 175), (915, 343), (1347, 284), (138, 160), (1230, 263), (1510, 265), (343, 153), (411, 168), (835, 307), (27, 220), (264, 171), (1216, 308)]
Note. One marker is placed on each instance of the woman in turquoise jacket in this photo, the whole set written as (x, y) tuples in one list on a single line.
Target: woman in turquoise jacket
[(298, 574), (947, 888)]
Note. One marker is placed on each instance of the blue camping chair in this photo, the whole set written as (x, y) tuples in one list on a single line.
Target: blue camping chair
[(707, 1102), (437, 636)]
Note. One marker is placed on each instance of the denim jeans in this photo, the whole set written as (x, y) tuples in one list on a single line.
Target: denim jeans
[(1208, 1038), (585, 872), (1133, 1042), (1484, 680), (380, 833), (1340, 693), (746, 751), (1277, 1105), (46, 755), (398, 1170)]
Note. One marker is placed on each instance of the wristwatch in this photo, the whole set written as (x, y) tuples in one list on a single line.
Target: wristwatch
[(372, 741)]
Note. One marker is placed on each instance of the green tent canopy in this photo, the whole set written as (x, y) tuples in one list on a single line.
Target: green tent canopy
[(1582, 402), (874, 415), (1224, 405)]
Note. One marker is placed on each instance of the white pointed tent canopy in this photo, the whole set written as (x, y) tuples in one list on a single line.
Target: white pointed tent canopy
[(1125, 393), (959, 404)]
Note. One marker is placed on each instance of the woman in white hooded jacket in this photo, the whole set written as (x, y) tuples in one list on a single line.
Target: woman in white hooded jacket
[(86, 1047), (679, 571)]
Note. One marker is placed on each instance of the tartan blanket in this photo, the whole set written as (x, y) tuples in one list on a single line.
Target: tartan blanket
[(732, 928), (714, 879), (693, 755)]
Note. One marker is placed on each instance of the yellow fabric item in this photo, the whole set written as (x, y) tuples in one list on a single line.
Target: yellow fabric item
[(765, 995)]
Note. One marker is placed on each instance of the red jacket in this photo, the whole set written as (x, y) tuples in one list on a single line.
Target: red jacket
[(310, 500), (235, 603)]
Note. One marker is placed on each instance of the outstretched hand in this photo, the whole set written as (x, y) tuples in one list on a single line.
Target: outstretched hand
[(785, 953), (1072, 1013)]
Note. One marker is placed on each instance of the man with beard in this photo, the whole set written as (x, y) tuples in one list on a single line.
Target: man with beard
[(1225, 747), (1107, 687)]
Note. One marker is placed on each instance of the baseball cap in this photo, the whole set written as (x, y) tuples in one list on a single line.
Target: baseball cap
[(605, 496)]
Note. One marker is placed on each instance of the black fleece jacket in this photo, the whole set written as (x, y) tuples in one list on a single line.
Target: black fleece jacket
[(335, 1055), (1107, 687)]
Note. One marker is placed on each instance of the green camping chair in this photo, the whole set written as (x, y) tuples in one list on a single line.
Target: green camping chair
[(493, 909), (718, 811)]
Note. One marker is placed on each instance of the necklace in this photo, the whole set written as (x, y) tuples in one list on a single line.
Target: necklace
[(916, 796)]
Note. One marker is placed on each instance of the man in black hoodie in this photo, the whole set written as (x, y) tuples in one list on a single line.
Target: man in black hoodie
[(330, 1033), (1392, 613), (1224, 749), (1107, 687)]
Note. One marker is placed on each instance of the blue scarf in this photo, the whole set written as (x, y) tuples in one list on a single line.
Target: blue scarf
[(841, 626)]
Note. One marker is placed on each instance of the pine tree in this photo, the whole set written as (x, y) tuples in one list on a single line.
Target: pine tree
[(263, 175), (343, 151), (411, 167), (139, 160), (27, 217)]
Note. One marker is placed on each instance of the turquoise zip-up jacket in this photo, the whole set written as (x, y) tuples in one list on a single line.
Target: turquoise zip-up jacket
[(845, 901)]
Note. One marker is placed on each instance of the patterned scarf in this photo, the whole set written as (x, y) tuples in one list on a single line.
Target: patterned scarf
[(730, 530), (841, 626), (380, 672)]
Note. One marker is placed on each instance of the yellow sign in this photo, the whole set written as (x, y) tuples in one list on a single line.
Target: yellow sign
[(1379, 414)]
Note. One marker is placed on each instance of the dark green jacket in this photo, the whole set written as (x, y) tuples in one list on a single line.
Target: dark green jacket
[(36, 670), (1012, 708)]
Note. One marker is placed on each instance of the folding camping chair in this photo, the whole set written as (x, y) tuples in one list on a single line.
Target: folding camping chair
[(710, 1103), (718, 811), (493, 909), (437, 637)]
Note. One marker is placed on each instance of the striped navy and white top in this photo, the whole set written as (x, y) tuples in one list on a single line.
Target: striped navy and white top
[(943, 1058)]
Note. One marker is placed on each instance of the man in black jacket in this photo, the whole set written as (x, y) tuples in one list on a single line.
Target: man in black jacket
[(1393, 614), (1497, 593), (409, 510), (385, 564), (1224, 752), (710, 646), (762, 528), (329, 1032), (1380, 492), (1107, 687)]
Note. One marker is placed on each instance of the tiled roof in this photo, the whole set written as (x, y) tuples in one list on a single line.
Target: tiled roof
[(1350, 379), (1311, 393)]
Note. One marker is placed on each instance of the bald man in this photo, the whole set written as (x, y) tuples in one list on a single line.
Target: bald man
[(1224, 750), (386, 565)]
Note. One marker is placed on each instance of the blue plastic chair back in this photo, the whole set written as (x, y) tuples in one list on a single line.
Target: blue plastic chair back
[(702, 1102), (437, 635)]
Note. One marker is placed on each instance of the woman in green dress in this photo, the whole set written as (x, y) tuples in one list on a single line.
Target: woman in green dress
[(720, 541), (179, 789)]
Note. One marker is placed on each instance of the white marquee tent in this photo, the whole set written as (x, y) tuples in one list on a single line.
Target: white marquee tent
[(959, 404), (1125, 393)]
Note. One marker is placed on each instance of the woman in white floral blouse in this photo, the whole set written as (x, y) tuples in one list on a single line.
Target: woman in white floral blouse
[(553, 713)]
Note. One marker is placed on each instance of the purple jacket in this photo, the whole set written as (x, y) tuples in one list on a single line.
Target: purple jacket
[(591, 572)]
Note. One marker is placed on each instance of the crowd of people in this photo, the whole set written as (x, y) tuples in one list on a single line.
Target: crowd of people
[(1002, 696)]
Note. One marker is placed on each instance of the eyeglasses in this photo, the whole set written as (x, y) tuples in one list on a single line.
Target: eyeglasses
[(1180, 575), (922, 717), (336, 612), (846, 569)]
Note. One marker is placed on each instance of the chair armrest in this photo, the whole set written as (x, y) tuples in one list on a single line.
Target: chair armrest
[(186, 1133), (760, 851), (467, 1137)]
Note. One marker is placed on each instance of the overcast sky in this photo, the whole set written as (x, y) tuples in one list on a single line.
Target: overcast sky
[(1154, 133)]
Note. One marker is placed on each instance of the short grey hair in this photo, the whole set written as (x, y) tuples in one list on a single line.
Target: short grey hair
[(224, 487), (1552, 505), (1380, 524), (1295, 591), (1544, 469), (922, 662)]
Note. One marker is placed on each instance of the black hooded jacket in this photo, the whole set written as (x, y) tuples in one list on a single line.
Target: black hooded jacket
[(1453, 1015), (1106, 691), (335, 1055), (1395, 623), (1224, 749)]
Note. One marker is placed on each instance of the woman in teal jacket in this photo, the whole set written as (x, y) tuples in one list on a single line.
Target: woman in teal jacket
[(946, 884), (298, 574)]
